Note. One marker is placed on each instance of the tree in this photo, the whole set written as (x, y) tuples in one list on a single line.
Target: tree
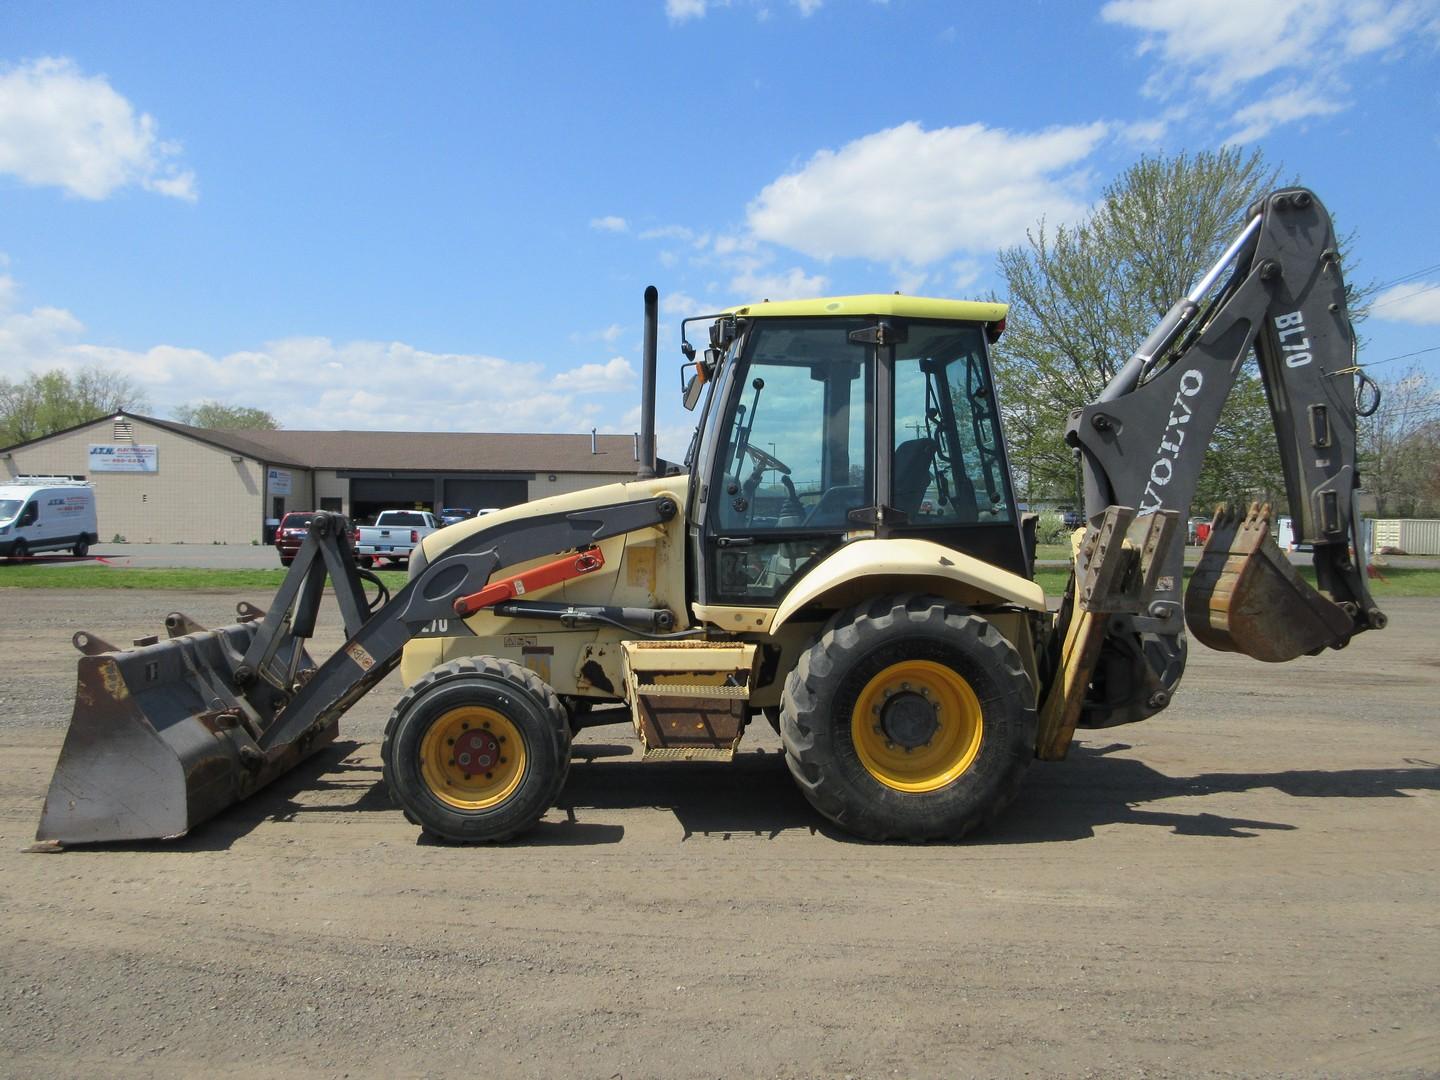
[(218, 417), (47, 402), (1400, 447), (1085, 296)]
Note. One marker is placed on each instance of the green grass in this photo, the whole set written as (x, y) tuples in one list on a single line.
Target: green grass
[(100, 576), (1396, 581)]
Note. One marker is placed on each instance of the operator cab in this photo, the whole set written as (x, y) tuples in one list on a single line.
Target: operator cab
[(845, 418)]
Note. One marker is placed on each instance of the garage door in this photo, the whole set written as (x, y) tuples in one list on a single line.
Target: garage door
[(485, 494), (369, 496)]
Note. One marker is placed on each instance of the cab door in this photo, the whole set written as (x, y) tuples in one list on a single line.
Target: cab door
[(790, 457)]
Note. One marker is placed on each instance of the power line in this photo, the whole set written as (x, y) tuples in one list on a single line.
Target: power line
[(1407, 277), (1407, 296), (1402, 356)]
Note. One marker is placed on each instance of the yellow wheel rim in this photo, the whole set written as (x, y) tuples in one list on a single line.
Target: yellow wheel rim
[(917, 726), (472, 758)]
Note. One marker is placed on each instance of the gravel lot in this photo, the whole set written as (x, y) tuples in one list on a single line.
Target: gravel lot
[(1246, 885)]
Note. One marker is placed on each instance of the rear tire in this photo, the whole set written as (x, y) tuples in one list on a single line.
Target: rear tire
[(81, 548), (909, 719), (366, 561), (508, 724)]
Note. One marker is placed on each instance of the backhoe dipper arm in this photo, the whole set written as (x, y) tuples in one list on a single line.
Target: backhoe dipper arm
[(1143, 443)]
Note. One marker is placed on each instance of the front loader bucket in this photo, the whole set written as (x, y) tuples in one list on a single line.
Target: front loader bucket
[(1245, 596), (161, 738)]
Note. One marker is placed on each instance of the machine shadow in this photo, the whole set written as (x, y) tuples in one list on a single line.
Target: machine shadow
[(755, 797), (1093, 787)]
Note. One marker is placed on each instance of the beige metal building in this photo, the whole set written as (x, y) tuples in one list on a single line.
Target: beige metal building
[(157, 481)]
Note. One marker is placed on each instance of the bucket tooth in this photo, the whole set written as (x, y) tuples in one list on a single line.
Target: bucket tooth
[(1246, 597)]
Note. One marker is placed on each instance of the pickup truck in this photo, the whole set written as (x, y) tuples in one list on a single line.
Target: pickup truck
[(393, 536)]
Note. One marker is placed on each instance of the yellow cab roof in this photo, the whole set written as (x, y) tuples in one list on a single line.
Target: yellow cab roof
[(912, 307)]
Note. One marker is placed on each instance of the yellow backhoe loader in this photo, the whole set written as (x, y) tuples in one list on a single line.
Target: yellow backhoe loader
[(840, 553)]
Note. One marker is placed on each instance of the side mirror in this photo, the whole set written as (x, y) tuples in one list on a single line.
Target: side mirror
[(694, 387)]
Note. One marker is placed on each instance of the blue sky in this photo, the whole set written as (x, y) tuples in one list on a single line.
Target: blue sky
[(442, 216)]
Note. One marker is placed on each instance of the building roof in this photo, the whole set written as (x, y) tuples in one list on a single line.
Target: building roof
[(406, 451), (431, 451)]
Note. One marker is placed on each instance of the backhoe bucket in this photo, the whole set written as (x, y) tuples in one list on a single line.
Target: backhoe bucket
[(1245, 596), (161, 737)]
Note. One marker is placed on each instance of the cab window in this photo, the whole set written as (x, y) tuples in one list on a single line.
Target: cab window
[(947, 466)]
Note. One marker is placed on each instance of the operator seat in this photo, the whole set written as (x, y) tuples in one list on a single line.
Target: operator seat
[(911, 475)]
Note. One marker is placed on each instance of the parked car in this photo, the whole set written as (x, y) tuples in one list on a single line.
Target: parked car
[(46, 514), (291, 533), (449, 515), (1072, 518), (394, 535)]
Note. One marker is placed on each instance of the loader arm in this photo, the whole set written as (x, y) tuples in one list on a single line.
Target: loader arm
[(172, 732), (1142, 444), (374, 647)]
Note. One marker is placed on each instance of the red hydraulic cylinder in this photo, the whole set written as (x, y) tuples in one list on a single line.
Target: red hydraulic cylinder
[(570, 566)]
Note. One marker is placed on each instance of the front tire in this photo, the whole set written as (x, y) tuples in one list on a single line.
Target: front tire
[(477, 750), (909, 719), (21, 550)]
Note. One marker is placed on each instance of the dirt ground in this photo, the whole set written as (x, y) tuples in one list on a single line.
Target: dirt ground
[(1246, 885)]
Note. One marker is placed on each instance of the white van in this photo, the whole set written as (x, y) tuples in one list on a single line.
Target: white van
[(46, 513)]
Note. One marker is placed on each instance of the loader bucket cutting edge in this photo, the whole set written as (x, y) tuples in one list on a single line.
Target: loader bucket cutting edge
[(1245, 596), (160, 740)]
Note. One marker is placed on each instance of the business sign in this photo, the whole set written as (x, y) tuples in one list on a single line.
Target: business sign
[(278, 481), (123, 457)]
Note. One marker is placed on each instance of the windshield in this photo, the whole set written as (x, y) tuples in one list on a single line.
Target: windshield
[(9, 508), (297, 521), (402, 517)]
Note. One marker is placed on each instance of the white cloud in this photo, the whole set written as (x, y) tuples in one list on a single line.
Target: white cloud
[(752, 284), (963, 275), (1282, 107), (909, 280), (610, 223), (615, 374), (1221, 47), (680, 11), (1416, 302), (315, 382), (609, 335), (680, 305), (59, 127), (808, 7), (910, 195), (669, 232)]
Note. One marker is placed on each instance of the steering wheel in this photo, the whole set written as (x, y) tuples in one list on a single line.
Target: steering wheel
[(765, 461)]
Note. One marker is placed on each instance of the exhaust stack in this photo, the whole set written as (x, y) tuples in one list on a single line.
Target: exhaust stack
[(646, 470)]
